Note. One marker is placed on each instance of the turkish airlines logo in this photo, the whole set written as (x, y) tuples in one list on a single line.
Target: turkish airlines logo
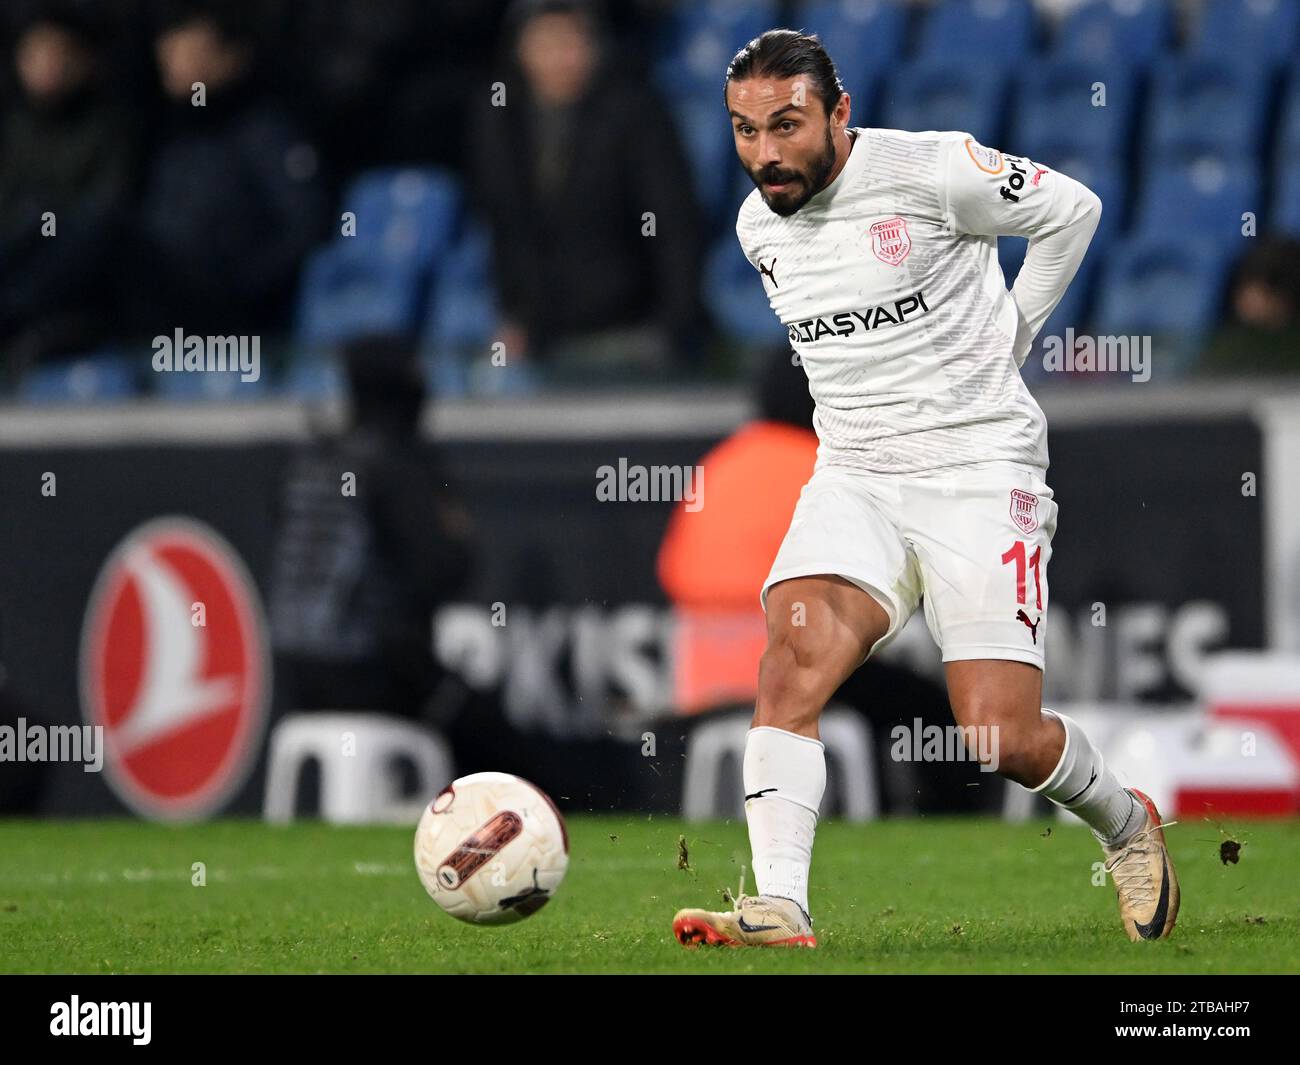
[(173, 666)]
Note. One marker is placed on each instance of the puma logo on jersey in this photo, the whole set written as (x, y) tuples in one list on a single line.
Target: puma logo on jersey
[(767, 271), (1033, 625), (848, 322)]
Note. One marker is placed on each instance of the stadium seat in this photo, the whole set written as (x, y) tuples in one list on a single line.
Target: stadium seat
[(358, 755), (1054, 103), (700, 39), (947, 95), (1099, 31), (866, 38), (705, 133), (1261, 32), (313, 378), (1284, 213), (1199, 105), (1288, 124), (405, 214), (994, 30), (1284, 210), (1205, 196), (1161, 284), (462, 307), (715, 750), (214, 385), (99, 377), (734, 290), (344, 295)]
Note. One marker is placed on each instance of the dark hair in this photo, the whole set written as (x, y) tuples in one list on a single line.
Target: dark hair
[(78, 20), (235, 21), (522, 12), (787, 54)]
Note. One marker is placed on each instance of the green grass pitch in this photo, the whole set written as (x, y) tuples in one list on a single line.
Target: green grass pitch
[(962, 895)]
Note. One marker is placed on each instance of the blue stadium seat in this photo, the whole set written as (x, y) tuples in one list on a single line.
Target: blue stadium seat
[(1260, 32), (1054, 102), (947, 95), (215, 385), (1198, 105), (992, 30), (1161, 284), (98, 377), (1206, 197), (462, 302), (343, 295), (866, 38), (409, 214), (1284, 211), (701, 38), (1287, 141), (706, 136), (314, 378), (1102, 30), (734, 292)]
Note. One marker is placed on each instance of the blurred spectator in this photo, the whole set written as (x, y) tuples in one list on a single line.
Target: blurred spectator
[(232, 199), (67, 163), (390, 82), (371, 539), (568, 172), (1263, 333), (712, 564)]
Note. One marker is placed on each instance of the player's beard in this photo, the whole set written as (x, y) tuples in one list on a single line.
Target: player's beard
[(812, 181)]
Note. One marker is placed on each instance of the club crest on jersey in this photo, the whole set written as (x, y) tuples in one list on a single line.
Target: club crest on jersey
[(1024, 510), (890, 240), (987, 159)]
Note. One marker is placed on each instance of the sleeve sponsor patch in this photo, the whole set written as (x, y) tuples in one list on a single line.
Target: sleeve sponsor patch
[(987, 159)]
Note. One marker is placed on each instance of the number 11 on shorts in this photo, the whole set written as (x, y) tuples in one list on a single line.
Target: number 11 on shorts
[(1016, 553)]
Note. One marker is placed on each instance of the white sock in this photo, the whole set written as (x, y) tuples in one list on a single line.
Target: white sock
[(1084, 786), (785, 776)]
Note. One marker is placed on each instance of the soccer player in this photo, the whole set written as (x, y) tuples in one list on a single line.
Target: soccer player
[(878, 250)]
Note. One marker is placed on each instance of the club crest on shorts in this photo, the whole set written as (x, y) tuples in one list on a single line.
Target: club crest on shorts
[(1024, 510), (890, 240)]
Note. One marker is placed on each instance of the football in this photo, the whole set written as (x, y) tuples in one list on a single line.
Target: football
[(491, 848)]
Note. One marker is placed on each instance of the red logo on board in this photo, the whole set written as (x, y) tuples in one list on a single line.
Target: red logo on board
[(173, 666)]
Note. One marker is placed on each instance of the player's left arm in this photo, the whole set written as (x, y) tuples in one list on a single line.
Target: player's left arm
[(990, 193)]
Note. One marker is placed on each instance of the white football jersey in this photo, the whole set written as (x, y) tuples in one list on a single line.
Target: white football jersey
[(889, 284)]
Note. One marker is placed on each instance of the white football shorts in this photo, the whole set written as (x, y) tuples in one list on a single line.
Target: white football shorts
[(970, 542)]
